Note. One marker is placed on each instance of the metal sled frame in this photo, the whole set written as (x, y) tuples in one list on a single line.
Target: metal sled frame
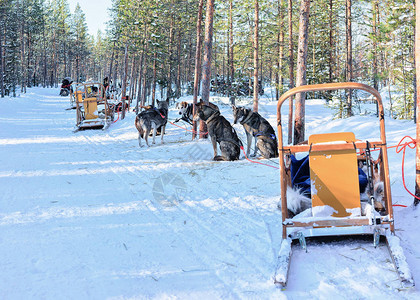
[(298, 229), (87, 102)]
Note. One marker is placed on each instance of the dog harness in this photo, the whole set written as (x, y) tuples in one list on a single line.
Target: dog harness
[(271, 135), (163, 117)]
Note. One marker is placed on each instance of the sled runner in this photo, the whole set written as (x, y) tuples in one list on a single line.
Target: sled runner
[(92, 107), (334, 188)]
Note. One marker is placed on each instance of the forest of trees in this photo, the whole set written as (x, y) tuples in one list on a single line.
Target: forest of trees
[(153, 45)]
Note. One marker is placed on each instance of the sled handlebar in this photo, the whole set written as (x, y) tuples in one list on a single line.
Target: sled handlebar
[(330, 87)]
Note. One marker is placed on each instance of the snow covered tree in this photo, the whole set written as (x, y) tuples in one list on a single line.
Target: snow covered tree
[(80, 48)]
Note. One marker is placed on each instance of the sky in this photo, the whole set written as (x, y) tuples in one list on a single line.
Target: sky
[(96, 12)]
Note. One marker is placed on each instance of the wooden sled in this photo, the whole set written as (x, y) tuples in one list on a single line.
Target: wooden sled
[(335, 194), (92, 107)]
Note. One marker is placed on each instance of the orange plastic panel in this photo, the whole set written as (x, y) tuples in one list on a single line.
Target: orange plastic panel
[(334, 177), (78, 96), (91, 108)]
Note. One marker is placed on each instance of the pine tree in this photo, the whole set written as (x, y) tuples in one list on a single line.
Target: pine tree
[(11, 55), (80, 49)]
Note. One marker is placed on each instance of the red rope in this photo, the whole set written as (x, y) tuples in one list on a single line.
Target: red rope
[(257, 162), (193, 131), (400, 205), (127, 109), (118, 117), (402, 147)]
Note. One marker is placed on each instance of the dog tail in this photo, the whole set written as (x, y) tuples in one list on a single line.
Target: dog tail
[(297, 202)]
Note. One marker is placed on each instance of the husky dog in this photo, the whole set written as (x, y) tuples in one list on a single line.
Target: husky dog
[(259, 128), (152, 119), (221, 132), (186, 110)]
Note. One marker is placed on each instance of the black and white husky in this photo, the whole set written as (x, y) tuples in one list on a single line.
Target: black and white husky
[(186, 110), (153, 118), (259, 128)]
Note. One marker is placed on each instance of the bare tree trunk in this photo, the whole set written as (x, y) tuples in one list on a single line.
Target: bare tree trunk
[(139, 79), (256, 21), (281, 50), (154, 78), (115, 75), (232, 70), (374, 44), (132, 75), (331, 50), (110, 64), (375, 16), (206, 74), (417, 63), (124, 82), (1, 59), (170, 50), (144, 91), (189, 59), (299, 132), (44, 39), (291, 76), (178, 75), (22, 53), (197, 69), (349, 56)]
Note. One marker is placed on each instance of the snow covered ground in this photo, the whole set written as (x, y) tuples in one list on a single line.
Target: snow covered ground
[(90, 215)]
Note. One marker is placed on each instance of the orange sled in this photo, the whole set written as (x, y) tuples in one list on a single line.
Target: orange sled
[(335, 189)]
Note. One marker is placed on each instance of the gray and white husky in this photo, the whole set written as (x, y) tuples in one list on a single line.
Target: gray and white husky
[(152, 118), (259, 128)]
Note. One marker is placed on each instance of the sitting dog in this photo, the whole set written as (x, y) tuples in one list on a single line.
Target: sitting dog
[(221, 132), (259, 128), (186, 110), (152, 118)]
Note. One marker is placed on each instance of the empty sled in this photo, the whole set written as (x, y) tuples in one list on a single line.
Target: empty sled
[(335, 188)]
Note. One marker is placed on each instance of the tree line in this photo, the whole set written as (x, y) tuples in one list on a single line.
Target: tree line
[(151, 46)]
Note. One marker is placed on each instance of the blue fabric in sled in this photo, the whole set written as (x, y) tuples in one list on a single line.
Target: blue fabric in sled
[(363, 181), (299, 170)]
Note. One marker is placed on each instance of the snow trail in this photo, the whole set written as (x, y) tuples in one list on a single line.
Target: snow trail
[(90, 215)]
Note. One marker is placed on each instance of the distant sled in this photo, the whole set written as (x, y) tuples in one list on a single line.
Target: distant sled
[(92, 108), (334, 188)]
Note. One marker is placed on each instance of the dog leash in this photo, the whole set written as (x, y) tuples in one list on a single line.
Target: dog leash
[(193, 131), (402, 147), (256, 162)]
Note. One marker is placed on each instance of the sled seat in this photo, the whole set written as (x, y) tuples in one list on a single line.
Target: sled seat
[(334, 176), (91, 108), (78, 96)]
